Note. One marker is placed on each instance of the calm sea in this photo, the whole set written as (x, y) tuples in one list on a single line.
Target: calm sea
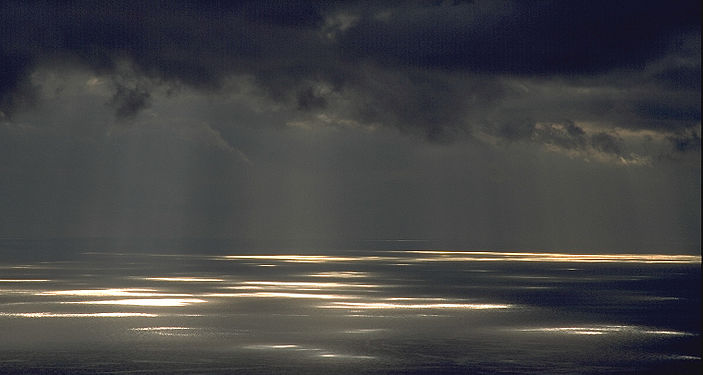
[(72, 307)]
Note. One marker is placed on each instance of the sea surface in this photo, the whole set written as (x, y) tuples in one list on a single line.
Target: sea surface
[(81, 307)]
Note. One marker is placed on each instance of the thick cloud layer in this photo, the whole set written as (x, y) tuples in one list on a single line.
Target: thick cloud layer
[(434, 68)]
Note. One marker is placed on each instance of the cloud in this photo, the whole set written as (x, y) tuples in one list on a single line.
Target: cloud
[(15, 93), (440, 70), (564, 135), (129, 101), (548, 37), (688, 140), (568, 138), (607, 143)]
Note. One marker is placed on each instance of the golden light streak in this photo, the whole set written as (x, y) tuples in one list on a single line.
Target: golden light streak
[(463, 256), (323, 353), (112, 292), (341, 275), (472, 256), (184, 279), (286, 346), (23, 280), (364, 330), (78, 315), (304, 258), (667, 333), (165, 331), (605, 329), (277, 347), (417, 299), (305, 284), (159, 302), (345, 356), (161, 329), (280, 295), (386, 305)]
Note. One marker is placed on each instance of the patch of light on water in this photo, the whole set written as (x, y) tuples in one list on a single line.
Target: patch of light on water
[(17, 291), (160, 328), (364, 330), (493, 256), (160, 302), (472, 256), (655, 298), (304, 258), (166, 331), (385, 305), (78, 315), (280, 295), (683, 357), (341, 275), (417, 299), (112, 292), (30, 267), (345, 356), (184, 279), (280, 346), (667, 333), (605, 329), (306, 285), (317, 352), (24, 280)]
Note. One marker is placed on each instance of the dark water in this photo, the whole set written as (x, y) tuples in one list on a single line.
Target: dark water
[(77, 310)]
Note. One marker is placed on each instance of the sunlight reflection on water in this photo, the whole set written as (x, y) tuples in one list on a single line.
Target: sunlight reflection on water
[(112, 292), (184, 279), (452, 310), (162, 302), (492, 256), (605, 329), (78, 315), (385, 305)]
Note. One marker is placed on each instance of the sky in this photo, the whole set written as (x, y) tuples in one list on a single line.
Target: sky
[(552, 125)]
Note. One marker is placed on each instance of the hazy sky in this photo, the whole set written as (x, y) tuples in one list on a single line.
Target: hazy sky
[(496, 124)]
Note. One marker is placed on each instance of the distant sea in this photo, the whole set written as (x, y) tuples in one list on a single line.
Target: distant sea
[(387, 307)]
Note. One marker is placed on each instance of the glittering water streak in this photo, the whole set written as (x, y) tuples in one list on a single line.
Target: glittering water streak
[(386, 305), (317, 352), (78, 315), (112, 292), (24, 280), (160, 302), (361, 309), (605, 329), (493, 256), (185, 279), (161, 329)]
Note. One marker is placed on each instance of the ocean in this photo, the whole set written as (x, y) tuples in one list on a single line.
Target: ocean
[(82, 307)]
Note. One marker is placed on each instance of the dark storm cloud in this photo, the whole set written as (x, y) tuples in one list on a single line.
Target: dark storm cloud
[(686, 141), (14, 91), (190, 42), (681, 77), (129, 101), (548, 37), (308, 99), (431, 68), (656, 110), (607, 143)]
